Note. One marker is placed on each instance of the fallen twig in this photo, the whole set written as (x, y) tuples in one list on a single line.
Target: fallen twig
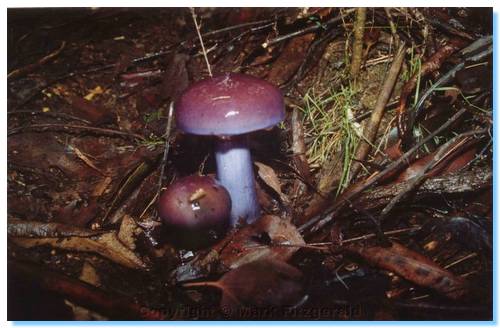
[(168, 128), (357, 48), (454, 183), (449, 29), (23, 228), (193, 14), (46, 127), (306, 30), (371, 128), (394, 30), (31, 67), (327, 245), (49, 113)]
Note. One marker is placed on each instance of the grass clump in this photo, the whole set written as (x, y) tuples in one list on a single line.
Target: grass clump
[(330, 132)]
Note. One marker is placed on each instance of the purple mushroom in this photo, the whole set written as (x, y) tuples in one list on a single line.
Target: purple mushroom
[(195, 211), (230, 106)]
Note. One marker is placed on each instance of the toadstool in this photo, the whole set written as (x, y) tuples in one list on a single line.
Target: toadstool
[(229, 106), (195, 210)]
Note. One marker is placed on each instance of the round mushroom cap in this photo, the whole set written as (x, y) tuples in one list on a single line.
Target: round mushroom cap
[(195, 211), (229, 104)]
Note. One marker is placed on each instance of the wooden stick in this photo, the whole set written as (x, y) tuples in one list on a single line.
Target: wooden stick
[(193, 14), (104, 131), (371, 128), (357, 48), (31, 67)]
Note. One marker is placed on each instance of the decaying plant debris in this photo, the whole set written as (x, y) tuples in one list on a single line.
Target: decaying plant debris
[(376, 190)]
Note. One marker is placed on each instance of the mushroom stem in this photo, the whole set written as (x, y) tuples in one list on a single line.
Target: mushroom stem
[(235, 172)]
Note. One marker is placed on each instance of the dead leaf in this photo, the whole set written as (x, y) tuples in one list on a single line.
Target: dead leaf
[(89, 274), (101, 187), (249, 243), (89, 111), (267, 174), (290, 59), (414, 267), (77, 213), (128, 230), (264, 283), (175, 79), (107, 245)]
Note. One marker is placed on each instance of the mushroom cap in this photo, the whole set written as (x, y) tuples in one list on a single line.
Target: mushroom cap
[(229, 104), (195, 210)]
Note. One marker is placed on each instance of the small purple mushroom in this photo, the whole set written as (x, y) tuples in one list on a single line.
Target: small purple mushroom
[(230, 106), (195, 211)]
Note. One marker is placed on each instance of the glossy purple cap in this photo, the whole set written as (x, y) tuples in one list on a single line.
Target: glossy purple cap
[(195, 201), (195, 211), (229, 104)]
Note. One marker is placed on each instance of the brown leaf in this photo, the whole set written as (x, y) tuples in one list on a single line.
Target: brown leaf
[(78, 213), (43, 152), (128, 231), (290, 59), (108, 245), (262, 283), (414, 267), (176, 77), (256, 241), (89, 111), (251, 243), (267, 174)]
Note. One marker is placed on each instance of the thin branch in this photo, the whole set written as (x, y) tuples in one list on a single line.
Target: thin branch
[(306, 30), (371, 128), (324, 246), (45, 127), (50, 113), (193, 14), (357, 48), (167, 145), (31, 67)]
